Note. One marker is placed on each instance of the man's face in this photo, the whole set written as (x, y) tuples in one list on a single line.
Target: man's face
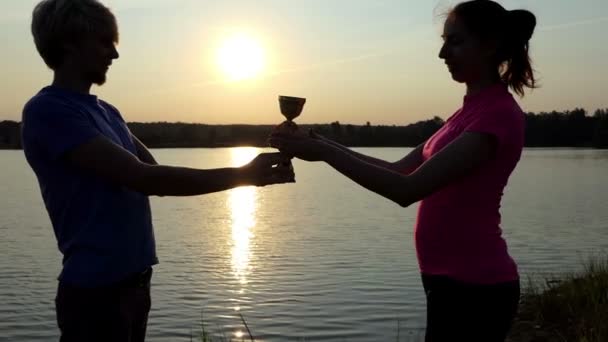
[(92, 56)]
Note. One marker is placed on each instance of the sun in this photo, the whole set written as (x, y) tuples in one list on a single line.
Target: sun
[(241, 57)]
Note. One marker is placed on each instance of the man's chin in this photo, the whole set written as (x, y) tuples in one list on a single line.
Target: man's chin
[(98, 79)]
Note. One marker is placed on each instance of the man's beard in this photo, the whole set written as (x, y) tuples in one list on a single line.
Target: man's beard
[(98, 78)]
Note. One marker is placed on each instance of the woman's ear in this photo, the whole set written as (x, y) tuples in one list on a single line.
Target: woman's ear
[(69, 48), (490, 48)]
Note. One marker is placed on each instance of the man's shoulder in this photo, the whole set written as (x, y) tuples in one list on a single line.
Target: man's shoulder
[(37, 107), (111, 109), (47, 102), (41, 99), (43, 102), (46, 109), (107, 104)]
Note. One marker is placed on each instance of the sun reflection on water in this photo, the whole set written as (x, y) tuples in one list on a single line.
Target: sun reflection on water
[(242, 202)]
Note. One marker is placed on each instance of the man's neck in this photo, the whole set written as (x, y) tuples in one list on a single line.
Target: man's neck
[(70, 82)]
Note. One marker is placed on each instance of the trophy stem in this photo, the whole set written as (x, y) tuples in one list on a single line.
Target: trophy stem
[(291, 107)]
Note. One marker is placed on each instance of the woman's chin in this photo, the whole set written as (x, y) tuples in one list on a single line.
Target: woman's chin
[(456, 77)]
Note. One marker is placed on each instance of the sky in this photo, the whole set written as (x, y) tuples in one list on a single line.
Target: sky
[(354, 60)]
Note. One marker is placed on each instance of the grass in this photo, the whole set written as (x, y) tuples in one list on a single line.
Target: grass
[(572, 307), (205, 335)]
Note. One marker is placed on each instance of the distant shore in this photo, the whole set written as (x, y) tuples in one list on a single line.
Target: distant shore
[(575, 128)]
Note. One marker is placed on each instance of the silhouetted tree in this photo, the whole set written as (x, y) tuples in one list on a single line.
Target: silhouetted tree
[(571, 128), (600, 132)]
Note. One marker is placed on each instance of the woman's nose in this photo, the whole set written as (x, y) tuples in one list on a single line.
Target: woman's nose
[(443, 52), (115, 53)]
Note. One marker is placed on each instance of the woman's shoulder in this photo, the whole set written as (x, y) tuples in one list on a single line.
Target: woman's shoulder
[(503, 107)]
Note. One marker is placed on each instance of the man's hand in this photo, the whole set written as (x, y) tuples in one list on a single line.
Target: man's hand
[(266, 169)]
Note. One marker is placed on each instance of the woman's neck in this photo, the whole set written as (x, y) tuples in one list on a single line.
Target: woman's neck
[(481, 84)]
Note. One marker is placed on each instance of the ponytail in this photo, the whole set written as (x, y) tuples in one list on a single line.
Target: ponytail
[(516, 69), (511, 30)]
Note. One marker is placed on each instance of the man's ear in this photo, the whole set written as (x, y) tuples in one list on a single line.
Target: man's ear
[(69, 52)]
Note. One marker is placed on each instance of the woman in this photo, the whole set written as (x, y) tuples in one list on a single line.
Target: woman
[(471, 282)]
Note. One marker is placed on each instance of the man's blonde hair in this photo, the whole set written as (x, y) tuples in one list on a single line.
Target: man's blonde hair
[(56, 23)]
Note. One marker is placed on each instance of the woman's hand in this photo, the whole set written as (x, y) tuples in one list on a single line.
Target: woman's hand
[(301, 146), (315, 135)]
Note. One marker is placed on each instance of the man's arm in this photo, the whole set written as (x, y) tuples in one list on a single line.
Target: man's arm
[(111, 162), (142, 152)]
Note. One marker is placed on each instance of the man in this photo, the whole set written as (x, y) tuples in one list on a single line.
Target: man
[(95, 178)]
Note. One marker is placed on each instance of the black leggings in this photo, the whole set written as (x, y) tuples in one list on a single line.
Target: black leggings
[(458, 311)]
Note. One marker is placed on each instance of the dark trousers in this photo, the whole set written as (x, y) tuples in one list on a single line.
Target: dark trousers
[(117, 313), (458, 311)]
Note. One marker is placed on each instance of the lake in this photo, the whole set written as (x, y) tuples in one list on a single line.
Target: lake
[(320, 260)]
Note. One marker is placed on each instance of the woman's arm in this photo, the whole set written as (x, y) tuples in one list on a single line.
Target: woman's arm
[(410, 162), (459, 159), (406, 165)]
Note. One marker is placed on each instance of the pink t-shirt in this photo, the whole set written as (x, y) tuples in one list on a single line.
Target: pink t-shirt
[(458, 230)]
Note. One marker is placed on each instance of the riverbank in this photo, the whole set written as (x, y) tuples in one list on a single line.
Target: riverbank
[(571, 307)]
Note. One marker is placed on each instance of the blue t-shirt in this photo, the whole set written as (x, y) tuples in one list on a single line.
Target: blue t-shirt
[(103, 230)]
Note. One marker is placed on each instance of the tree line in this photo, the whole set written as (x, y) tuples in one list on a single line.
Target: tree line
[(571, 128)]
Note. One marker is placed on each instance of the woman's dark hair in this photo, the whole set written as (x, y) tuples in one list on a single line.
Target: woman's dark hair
[(510, 30)]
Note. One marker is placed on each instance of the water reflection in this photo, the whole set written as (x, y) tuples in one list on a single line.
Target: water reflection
[(242, 205), (242, 202)]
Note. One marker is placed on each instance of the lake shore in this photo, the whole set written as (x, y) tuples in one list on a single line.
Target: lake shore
[(570, 307)]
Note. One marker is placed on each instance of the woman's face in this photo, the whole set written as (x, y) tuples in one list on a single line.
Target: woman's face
[(465, 56)]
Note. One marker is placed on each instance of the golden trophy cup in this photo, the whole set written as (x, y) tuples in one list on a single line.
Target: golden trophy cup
[(291, 108)]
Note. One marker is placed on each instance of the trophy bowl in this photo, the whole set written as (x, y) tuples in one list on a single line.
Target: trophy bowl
[(291, 107)]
